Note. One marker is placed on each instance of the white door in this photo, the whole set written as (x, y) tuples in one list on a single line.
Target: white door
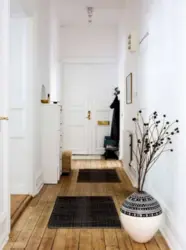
[(4, 66), (87, 89), (20, 105), (75, 108)]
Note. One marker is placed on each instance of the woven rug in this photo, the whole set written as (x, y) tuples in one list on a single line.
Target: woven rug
[(98, 176), (84, 212)]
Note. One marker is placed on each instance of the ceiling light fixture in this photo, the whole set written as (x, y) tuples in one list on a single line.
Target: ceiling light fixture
[(90, 11)]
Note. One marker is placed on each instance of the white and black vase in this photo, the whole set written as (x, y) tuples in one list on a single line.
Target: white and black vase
[(141, 216)]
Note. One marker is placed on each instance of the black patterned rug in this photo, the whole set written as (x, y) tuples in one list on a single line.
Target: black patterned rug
[(84, 212), (98, 176)]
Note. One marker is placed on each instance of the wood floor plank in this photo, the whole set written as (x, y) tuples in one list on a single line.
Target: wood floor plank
[(31, 232), (161, 242), (85, 242), (110, 238), (16, 201), (40, 227), (22, 206), (48, 239), (98, 241), (112, 248), (72, 239), (27, 230), (60, 240), (123, 240), (138, 246), (152, 245)]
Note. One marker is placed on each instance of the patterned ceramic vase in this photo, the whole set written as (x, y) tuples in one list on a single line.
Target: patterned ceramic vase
[(141, 216)]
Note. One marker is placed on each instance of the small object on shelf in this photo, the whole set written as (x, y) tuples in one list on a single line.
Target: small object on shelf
[(66, 162), (43, 92), (48, 98), (55, 102), (44, 101)]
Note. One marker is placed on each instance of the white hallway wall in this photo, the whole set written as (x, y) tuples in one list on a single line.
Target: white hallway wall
[(127, 65), (41, 18), (163, 76), (161, 86), (86, 44)]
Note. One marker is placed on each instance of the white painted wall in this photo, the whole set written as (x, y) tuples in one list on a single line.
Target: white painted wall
[(89, 41), (80, 44), (161, 78), (55, 64), (127, 64), (41, 76)]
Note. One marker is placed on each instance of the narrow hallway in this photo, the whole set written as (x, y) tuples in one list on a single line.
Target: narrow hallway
[(31, 231)]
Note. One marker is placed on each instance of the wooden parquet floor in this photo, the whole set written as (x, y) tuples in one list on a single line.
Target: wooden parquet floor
[(31, 232), (16, 201)]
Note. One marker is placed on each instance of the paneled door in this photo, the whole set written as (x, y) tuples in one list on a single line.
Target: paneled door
[(87, 92), (4, 67)]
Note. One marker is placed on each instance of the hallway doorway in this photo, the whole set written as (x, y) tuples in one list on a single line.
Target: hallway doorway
[(87, 92)]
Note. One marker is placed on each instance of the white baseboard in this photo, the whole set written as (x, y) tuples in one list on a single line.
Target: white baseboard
[(168, 228), (19, 189), (86, 157)]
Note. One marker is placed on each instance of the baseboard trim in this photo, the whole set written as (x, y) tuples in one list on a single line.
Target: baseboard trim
[(19, 189)]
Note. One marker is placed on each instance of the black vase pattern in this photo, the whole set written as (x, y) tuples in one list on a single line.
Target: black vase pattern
[(141, 205)]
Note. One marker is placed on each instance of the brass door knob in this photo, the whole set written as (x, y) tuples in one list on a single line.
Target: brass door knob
[(4, 118)]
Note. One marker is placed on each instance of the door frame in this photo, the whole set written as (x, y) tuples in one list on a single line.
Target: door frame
[(82, 60), (4, 48)]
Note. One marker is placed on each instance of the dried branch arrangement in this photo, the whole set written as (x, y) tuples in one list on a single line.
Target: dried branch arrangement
[(153, 138)]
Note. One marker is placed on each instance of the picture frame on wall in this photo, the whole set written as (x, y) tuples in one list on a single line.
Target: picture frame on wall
[(129, 89)]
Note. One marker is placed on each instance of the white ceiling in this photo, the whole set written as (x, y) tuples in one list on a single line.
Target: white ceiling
[(73, 12), (22, 7), (105, 4)]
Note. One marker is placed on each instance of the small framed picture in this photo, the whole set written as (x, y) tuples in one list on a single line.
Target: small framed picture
[(129, 89)]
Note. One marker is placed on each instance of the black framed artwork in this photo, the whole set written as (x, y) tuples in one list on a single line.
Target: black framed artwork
[(129, 89)]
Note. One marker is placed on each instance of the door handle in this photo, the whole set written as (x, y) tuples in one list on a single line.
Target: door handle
[(89, 115), (4, 118)]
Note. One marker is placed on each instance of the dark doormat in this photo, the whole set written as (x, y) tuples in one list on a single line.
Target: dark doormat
[(98, 176), (84, 212)]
